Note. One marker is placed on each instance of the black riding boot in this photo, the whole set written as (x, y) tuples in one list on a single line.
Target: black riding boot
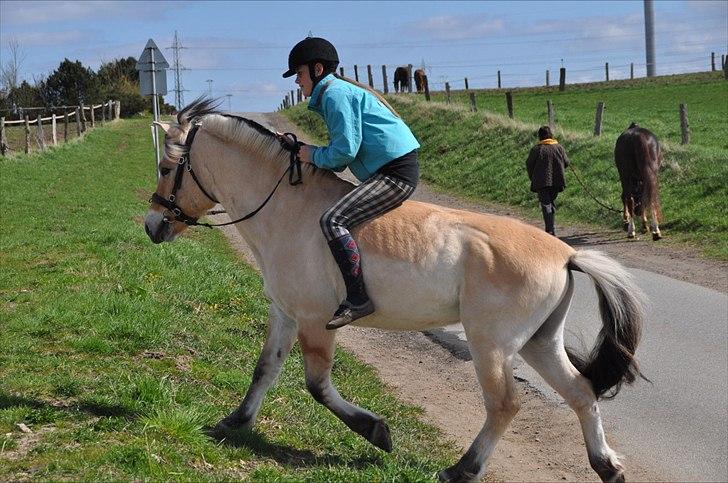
[(357, 303)]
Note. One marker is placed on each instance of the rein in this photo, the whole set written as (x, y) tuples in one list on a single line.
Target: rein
[(288, 141), (589, 192)]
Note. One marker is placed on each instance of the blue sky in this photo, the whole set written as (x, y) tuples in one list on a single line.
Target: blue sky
[(243, 46)]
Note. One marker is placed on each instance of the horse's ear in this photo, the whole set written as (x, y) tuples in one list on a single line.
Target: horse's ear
[(164, 125)]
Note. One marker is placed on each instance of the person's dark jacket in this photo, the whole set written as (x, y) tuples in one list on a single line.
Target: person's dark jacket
[(546, 164)]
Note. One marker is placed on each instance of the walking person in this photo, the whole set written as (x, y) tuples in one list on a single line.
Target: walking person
[(366, 135), (546, 164)]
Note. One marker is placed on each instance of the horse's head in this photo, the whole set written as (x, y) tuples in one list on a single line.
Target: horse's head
[(179, 199)]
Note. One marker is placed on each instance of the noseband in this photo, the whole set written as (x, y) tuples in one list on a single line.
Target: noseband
[(288, 141)]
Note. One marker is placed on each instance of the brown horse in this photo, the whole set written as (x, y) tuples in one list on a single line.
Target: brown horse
[(420, 80), (638, 158), (401, 79)]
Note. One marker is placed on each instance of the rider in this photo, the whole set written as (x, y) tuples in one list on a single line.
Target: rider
[(366, 135)]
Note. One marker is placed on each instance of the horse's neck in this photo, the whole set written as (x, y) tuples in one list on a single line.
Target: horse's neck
[(243, 181)]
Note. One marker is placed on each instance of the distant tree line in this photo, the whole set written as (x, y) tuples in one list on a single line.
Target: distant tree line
[(72, 84)]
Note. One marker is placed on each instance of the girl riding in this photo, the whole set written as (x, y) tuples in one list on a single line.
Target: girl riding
[(366, 135)]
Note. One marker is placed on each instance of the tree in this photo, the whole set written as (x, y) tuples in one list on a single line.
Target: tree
[(10, 70), (72, 84)]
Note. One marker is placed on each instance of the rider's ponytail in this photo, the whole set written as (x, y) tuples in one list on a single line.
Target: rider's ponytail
[(366, 87)]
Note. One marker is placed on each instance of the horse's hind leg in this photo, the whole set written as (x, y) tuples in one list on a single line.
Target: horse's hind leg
[(317, 346), (546, 354), (654, 227), (495, 375), (629, 214), (281, 336)]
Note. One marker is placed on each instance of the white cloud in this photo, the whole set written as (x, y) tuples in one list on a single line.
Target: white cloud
[(16, 13), (40, 39), (454, 27)]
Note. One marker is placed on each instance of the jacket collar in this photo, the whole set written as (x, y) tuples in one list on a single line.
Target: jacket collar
[(315, 101)]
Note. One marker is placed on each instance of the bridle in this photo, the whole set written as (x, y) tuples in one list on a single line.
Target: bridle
[(288, 141)]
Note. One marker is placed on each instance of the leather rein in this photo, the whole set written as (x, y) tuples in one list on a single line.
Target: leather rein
[(288, 141)]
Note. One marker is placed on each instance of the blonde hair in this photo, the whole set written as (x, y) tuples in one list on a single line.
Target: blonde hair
[(367, 88)]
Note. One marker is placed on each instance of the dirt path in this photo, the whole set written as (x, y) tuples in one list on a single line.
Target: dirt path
[(544, 442)]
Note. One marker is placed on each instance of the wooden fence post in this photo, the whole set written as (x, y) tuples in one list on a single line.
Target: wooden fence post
[(40, 135), (631, 70), (547, 78), (110, 107), (3, 141), (117, 109), (356, 73), (369, 74), (473, 105), (78, 123), (384, 79), (466, 84), (499, 80), (93, 121), (447, 92), (725, 69), (509, 103), (562, 79), (684, 127), (427, 89), (598, 119), (341, 71), (712, 61), (83, 119), (299, 95), (54, 133), (550, 111), (103, 113), (27, 135), (409, 78), (606, 70), (65, 126), (293, 103)]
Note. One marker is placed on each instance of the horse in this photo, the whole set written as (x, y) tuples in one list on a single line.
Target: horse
[(420, 80), (638, 157), (401, 79), (508, 283)]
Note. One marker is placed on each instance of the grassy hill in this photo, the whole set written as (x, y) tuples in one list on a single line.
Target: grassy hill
[(117, 353), (482, 155)]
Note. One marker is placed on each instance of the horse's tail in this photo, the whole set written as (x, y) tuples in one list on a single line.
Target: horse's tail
[(622, 307), (649, 158)]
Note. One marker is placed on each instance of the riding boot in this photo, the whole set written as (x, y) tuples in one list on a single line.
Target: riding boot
[(549, 216), (357, 303)]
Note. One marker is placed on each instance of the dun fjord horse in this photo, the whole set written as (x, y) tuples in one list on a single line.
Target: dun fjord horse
[(420, 80), (401, 79), (510, 284), (638, 158)]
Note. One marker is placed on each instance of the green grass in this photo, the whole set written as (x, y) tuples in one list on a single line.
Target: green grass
[(118, 353), (482, 155)]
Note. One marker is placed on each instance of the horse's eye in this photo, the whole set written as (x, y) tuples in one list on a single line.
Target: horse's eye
[(164, 171)]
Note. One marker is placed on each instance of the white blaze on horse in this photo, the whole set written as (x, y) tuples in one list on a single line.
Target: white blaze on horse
[(638, 158), (508, 283)]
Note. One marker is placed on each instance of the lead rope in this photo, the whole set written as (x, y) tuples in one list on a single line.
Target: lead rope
[(589, 192), (290, 143)]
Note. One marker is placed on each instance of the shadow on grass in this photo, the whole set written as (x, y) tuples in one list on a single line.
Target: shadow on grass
[(284, 454), (95, 408)]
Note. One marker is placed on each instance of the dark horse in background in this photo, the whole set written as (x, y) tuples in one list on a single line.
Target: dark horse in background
[(401, 79), (638, 158), (420, 80)]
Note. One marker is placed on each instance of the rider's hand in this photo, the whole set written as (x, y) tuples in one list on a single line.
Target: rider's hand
[(306, 153)]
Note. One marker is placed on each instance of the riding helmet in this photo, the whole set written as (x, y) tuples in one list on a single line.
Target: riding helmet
[(309, 50)]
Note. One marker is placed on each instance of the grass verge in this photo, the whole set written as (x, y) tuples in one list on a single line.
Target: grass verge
[(118, 353)]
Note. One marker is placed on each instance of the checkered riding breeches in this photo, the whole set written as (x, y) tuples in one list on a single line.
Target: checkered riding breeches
[(373, 197)]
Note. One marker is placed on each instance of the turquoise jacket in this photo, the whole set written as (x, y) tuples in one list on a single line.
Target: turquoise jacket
[(363, 134)]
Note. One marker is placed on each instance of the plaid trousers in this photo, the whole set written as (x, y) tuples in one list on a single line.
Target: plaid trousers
[(375, 196)]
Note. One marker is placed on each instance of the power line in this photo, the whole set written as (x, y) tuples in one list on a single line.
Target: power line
[(178, 89)]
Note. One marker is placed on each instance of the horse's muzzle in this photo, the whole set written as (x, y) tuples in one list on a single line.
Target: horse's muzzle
[(157, 227)]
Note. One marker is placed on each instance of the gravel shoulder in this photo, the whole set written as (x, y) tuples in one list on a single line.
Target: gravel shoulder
[(544, 442)]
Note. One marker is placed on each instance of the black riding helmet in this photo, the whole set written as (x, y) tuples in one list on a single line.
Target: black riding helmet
[(309, 50)]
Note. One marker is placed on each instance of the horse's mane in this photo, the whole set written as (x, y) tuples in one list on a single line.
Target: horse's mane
[(235, 129)]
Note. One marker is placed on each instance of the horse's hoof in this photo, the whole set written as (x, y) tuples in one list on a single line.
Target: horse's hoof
[(630, 235), (453, 474), (379, 436), (656, 236)]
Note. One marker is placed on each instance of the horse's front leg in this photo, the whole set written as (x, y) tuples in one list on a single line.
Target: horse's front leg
[(317, 346), (628, 216), (281, 336)]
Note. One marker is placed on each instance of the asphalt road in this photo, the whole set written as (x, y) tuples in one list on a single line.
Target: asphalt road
[(679, 422)]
